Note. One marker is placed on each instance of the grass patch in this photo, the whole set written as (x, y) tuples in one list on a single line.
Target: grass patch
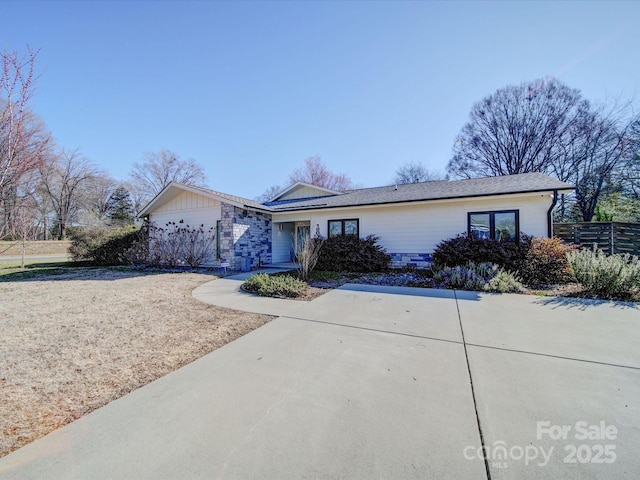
[(12, 271), (43, 247)]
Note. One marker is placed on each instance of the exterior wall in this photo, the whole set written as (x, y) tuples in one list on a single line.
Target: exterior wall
[(245, 234), (282, 242), (408, 232), (194, 209), (186, 201), (411, 232), (417, 260)]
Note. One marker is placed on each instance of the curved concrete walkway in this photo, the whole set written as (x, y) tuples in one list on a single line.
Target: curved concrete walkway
[(226, 292), (377, 382)]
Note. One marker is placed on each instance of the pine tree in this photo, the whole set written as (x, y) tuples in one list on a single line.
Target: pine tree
[(120, 207)]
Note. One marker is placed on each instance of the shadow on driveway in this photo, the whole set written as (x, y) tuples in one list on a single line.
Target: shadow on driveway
[(585, 303), (465, 295), (412, 291)]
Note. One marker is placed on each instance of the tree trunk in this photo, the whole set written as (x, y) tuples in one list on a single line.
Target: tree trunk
[(24, 251), (63, 230)]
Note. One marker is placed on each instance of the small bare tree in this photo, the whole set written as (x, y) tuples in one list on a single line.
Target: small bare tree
[(25, 224), (308, 255)]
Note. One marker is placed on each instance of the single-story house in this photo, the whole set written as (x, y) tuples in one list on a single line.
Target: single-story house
[(410, 220)]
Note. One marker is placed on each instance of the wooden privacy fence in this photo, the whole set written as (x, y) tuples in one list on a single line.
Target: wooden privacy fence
[(611, 237)]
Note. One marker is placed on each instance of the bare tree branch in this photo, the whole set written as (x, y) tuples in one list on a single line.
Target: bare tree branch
[(416, 172), (24, 142), (65, 183), (315, 172), (160, 169), (544, 126), (518, 129)]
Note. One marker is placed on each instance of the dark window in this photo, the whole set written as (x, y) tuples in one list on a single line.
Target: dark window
[(344, 227), (500, 225)]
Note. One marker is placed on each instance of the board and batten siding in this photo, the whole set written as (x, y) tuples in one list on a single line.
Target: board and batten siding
[(194, 209), (418, 228)]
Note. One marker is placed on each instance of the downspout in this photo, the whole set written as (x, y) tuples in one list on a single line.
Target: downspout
[(549, 218)]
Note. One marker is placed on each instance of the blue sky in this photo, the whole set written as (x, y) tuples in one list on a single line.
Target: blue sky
[(250, 89)]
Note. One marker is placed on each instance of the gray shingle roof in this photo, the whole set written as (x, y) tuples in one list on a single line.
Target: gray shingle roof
[(436, 190), (234, 199), (413, 192)]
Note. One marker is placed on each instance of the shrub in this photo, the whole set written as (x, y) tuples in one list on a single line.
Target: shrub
[(173, 245), (84, 240), (102, 245), (464, 248), (465, 277), (324, 276), (504, 282), (198, 244), (546, 262), (275, 285), (478, 277), (612, 277), (113, 251), (138, 252), (352, 254)]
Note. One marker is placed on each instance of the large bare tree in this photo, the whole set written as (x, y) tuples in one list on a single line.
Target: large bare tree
[(545, 126), (160, 169), (518, 129), (24, 141), (67, 184), (601, 150)]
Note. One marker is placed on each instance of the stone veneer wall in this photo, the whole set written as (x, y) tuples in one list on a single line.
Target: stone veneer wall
[(417, 260), (245, 234)]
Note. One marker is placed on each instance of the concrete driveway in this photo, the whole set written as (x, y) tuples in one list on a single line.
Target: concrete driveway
[(379, 382)]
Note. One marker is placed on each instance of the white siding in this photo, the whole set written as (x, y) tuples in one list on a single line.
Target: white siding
[(192, 208), (186, 201), (418, 228)]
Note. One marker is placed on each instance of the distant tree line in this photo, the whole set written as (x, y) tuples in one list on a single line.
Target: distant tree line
[(539, 126), (45, 189)]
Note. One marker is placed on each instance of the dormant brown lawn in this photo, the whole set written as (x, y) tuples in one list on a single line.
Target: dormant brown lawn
[(72, 343)]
